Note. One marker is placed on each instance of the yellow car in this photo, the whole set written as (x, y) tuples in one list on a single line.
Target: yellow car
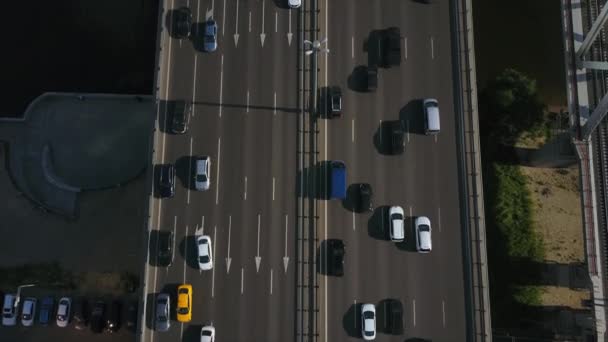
[(184, 303)]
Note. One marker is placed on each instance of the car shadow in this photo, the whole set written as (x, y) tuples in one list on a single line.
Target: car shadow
[(187, 249), (150, 309), (192, 333), (377, 224), (153, 247), (351, 321), (409, 244), (314, 182), (171, 290), (357, 80), (184, 167), (383, 139), (281, 4), (351, 202), (384, 322), (171, 22), (411, 115)]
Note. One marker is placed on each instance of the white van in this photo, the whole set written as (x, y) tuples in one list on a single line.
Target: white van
[(431, 116)]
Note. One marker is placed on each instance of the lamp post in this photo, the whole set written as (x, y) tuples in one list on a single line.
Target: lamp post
[(312, 48), (19, 293)]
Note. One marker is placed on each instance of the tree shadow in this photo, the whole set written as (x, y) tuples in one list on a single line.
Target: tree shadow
[(411, 115), (377, 224), (351, 321)]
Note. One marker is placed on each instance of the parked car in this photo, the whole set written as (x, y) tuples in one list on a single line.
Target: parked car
[(201, 178), (113, 317), (423, 234), (9, 312), (97, 316), (207, 334), (183, 23), (28, 312), (205, 255), (81, 313), (368, 321), (165, 248), (63, 312), (396, 223), (335, 258), (210, 37), (131, 320), (163, 304), (184, 303), (46, 309), (166, 181)]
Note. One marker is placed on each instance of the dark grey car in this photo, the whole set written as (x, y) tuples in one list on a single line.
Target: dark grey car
[(163, 306)]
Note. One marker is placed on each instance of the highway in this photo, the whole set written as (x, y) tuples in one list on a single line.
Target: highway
[(245, 111), (423, 180), (246, 101)]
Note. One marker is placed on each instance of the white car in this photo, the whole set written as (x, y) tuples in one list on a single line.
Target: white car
[(9, 315), (205, 257), (28, 312), (368, 322), (63, 312), (201, 178), (397, 225), (423, 234), (294, 3), (208, 334)]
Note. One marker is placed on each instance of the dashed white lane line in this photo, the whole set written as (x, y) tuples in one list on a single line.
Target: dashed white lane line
[(356, 314), (435, 138), (411, 211), (247, 100), (353, 131), (414, 311), (439, 218), (352, 46), (245, 192), (405, 48), (174, 232), (194, 87), (224, 18), (354, 226), (276, 21), (443, 311), (274, 111), (273, 187), (217, 177), (213, 262), (203, 225), (242, 280), (249, 21), (185, 253), (271, 272), (189, 168), (432, 48), (407, 130), (221, 84)]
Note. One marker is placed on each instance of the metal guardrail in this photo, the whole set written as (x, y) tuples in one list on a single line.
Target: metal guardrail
[(479, 326)]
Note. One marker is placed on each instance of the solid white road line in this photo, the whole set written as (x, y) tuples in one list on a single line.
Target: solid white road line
[(271, 281), (217, 176), (354, 227), (352, 46), (414, 311), (245, 193), (247, 100), (405, 49), (224, 18), (353, 131), (228, 258), (249, 21), (273, 187), (443, 311), (194, 86), (439, 218), (221, 84), (432, 48), (213, 262), (185, 253), (276, 21), (242, 280), (274, 112), (189, 168), (203, 225)]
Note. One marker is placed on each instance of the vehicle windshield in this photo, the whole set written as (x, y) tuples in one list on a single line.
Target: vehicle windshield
[(204, 259), (27, 316), (206, 333), (183, 311), (397, 217), (201, 178), (162, 318), (60, 318), (368, 315), (369, 333), (424, 228)]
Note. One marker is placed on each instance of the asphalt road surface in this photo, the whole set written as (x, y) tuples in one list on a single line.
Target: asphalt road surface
[(423, 180), (245, 111)]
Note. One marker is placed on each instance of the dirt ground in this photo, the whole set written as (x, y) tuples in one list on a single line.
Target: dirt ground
[(558, 219)]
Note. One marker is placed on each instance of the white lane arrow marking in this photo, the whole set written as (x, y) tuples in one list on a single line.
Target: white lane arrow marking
[(263, 35), (285, 258), (236, 28), (289, 34), (258, 259), (228, 258)]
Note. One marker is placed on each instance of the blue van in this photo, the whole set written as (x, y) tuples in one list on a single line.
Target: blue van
[(338, 180)]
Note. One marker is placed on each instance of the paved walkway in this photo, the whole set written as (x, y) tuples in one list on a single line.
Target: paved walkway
[(66, 143)]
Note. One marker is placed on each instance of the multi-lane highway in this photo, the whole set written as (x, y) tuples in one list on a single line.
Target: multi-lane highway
[(423, 180), (245, 98), (246, 107)]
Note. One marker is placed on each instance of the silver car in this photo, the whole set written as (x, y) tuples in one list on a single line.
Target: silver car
[(63, 312), (205, 256), (9, 314), (294, 3), (163, 305), (28, 312), (201, 178)]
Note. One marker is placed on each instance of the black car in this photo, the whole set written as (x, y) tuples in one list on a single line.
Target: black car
[(165, 248), (97, 316), (335, 260), (363, 201), (182, 23), (181, 112), (166, 182), (113, 319), (132, 316), (81, 313), (330, 102)]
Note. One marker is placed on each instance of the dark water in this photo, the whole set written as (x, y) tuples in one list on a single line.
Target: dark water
[(525, 35), (103, 46)]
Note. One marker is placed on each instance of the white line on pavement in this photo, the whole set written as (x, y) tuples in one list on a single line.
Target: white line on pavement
[(274, 111), (242, 280), (286, 258), (273, 187), (236, 25), (353, 131), (213, 268), (247, 100), (181, 334), (258, 259), (203, 224), (439, 218), (228, 258), (414, 311), (174, 232), (221, 84), (276, 21), (189, 168), (245, 193), (224, 18), (407, 130), (354, 227), (271, 281), (355, 315), (217, 176), (263, 34), (352, 46), (194, 87), (289, 34), (405, 43), (443, 311), (435, 138), (432, 48), (185, 253), (249, 21)]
